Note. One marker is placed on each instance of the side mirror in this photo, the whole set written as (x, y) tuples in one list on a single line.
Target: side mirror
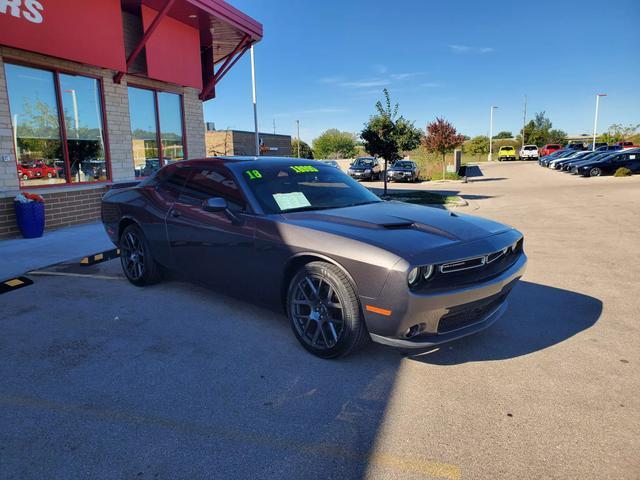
[(215, 204)]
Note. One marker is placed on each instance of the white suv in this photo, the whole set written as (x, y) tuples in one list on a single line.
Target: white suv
[(529, 152)]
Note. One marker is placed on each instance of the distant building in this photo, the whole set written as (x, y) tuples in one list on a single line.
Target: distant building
[(239, 142)]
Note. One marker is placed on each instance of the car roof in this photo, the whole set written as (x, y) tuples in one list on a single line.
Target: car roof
[(250, 161)]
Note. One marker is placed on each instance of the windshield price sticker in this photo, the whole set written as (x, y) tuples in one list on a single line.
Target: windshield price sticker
[(289, 201), (253, 174), (303, 168)]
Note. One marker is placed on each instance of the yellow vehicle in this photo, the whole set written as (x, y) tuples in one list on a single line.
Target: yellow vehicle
[(506, 153)]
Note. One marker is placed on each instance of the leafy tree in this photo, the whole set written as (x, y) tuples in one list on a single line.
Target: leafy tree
[(442, 137), (557, 136), (477, 145), (538, 131), (386, 134), (503, 134), (334, 144), (305, 149), (618, 132)]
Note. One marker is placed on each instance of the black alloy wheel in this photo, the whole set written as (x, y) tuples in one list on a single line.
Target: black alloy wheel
[(324, 310), (135, 257)]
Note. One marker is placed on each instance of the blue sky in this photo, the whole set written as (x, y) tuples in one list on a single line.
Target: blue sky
[(326, 62)]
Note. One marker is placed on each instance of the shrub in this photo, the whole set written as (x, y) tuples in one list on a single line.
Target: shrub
[(622, 172)]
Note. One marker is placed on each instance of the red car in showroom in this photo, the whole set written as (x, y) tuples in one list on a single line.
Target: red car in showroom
[(36, 169)]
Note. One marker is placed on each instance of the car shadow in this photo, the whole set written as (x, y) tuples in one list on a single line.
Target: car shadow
[(538, 317), (487, 179)]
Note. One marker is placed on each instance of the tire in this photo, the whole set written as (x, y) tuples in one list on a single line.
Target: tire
[(309, 310), (49, 175), (25, 177), (136, 259), (595, 172)]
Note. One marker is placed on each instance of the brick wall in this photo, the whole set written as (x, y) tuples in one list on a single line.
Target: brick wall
[(62, 209)]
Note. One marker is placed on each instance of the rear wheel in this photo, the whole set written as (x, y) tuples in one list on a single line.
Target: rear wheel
[(595, 172), (324, 311), (138, 264)]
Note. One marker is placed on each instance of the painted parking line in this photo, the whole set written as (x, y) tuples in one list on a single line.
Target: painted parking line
[(401, 464), (100, 257), (14, 284)]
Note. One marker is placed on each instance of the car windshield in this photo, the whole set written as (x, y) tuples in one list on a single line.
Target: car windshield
[(530, 147), (403, 164), (290, 188), (506, 148), (363, 162)]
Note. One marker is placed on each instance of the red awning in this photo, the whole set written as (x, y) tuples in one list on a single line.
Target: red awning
[(173, 28)]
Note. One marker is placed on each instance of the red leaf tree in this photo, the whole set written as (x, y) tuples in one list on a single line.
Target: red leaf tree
[(442, 137)]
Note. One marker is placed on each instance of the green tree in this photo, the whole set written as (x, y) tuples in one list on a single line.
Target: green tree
[(557, 136), (538, 131), (477, 145), (618, 132), (386, 134), (503, 134), (334, 144), (305, 149), (442, 137)]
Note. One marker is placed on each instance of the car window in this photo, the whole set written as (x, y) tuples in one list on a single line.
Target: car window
[(531, 148), (207, 182), (170, 181)]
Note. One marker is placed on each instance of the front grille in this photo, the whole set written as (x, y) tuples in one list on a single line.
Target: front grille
[(472, 270), (469, 313)]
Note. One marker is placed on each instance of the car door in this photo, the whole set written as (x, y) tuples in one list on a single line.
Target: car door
[(632, 162), (217, 247)]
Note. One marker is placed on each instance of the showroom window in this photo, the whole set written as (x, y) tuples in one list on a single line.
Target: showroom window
[(58, 129), (156, 128)]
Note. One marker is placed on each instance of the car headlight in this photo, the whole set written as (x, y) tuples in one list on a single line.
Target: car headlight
[(427, 271), (412, 277), (368, 170)]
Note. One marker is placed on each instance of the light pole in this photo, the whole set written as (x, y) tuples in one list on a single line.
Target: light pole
[(595, 121), (74, 99), (491, 132), (255, 107), (298, 125), (524, 120)]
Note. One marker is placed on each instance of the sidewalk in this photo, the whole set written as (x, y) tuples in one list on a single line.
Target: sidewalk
[(20, 255)]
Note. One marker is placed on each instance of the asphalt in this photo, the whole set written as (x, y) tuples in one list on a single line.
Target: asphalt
[(101, 379)]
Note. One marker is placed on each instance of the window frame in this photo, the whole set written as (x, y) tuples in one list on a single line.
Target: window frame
[(156, 107), (56, 71)]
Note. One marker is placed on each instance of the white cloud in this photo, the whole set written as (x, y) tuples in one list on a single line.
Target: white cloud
[(369, 83), (469, 49), (406, 75)]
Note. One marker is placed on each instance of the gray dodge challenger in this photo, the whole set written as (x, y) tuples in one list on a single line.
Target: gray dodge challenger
[(300, 235)]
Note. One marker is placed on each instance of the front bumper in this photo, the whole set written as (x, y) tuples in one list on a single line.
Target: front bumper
[(393, 176), (360, 175), (447, 316)]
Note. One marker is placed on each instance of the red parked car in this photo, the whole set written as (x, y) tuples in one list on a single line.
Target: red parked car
[(549, 148)]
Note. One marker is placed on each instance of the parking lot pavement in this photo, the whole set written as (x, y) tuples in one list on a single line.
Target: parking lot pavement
[(101, 379)]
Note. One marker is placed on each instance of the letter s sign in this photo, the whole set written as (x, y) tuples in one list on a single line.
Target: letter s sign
[(32, 11)]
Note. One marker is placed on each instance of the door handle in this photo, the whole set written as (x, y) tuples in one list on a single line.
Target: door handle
[(175, 213)]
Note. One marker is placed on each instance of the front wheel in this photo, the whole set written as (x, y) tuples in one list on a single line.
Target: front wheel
[(595, 172), (138, 264), (324, 311)]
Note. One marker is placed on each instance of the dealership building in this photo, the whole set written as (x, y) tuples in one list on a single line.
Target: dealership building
[(104, 91), (241, 142)]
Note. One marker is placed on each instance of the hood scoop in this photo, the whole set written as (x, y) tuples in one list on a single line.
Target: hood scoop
[(400, 224)]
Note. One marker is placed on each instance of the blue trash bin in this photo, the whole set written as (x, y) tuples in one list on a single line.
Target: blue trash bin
[(30, 218)]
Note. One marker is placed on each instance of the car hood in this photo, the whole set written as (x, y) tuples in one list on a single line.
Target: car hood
[(400, 169), (402, 228), (361, 168)]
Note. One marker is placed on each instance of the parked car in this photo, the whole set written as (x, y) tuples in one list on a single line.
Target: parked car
[(549, 148), (365, 168), (529, 152), (544, 161), (556, 163), (608, 148), (506, 153), (304, 237), (403, 171), (568, 165), (332, 163), (598, 145), (576, 146), (626, 144), (610, 163)]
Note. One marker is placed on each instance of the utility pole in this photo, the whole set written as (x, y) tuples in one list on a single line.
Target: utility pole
[(255, 106), (298, 124), (491, 133), (595, 121), (524, 120)]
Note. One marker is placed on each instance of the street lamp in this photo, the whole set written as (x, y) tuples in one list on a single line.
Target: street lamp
[(491, 132), (255, 106), (595, 121)]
